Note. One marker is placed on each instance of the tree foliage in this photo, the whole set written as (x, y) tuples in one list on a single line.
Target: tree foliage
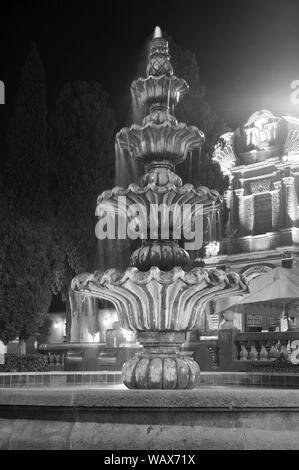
[(82, 166), (26, 276), (27, 167), (28, 254)]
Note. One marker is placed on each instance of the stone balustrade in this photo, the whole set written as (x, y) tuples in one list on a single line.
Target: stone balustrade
[(56, 359), (266, 346), (86, 356)]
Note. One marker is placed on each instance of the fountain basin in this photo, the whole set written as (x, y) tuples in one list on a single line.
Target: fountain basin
[(209, 418)]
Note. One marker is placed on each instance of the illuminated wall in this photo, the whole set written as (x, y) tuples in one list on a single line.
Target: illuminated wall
[(262, 162)]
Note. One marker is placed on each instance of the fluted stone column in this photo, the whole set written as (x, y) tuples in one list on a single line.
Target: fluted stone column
[(246, 212), (290, 201), (229, 205), (276, 206)]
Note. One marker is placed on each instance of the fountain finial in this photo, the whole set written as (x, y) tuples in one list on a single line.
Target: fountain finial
[(159, 58), (157, 32)]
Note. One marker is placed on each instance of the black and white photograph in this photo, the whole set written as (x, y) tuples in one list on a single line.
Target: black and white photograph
[(149, 229)]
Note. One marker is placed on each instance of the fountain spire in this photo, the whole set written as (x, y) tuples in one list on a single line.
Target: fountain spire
[(160, 143), (157, 32)]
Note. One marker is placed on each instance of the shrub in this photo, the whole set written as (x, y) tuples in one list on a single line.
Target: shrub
[(30, 363)]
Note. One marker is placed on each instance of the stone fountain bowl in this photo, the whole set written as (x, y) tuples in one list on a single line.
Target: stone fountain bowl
[(158, 300), (160, 307), (168, 140), (157, 89)]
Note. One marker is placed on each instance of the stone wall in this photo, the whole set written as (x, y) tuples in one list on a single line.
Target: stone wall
[(200, 419)]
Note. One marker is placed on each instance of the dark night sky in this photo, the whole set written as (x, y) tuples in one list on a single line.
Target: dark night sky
[(248, 51)]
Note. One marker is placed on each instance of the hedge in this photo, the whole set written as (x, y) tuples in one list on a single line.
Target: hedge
[(28, 363)]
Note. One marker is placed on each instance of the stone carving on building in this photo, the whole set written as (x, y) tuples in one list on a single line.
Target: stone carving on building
[(224, 152), (260, 186), (291, 145), (262, 162), (261, 130)]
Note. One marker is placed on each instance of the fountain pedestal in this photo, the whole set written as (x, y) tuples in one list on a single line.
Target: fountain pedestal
[(161, 365)]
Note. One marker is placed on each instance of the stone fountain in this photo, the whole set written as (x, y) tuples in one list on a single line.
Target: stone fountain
[(158, 297)]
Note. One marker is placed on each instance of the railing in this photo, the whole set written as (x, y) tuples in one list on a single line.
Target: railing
[(232, 351), (266, 346), (243, 351), (56, 359), (85, 356), (60, 355)]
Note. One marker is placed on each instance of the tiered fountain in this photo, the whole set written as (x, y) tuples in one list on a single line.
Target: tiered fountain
[(157, 297)]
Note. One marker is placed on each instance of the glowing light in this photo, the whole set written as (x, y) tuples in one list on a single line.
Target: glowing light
[(96, 338), (106, 322), (212, 249), (128, 335), (157, 32), (107, 317)]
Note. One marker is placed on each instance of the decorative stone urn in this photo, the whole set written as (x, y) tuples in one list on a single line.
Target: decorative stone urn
[(228, 316), (156, 298), (160, 306)]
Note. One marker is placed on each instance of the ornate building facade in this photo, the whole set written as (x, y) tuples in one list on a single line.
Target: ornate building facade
[(261, 207)]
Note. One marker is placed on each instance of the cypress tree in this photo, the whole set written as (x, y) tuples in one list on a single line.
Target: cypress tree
[(27, 168), (28, 254)]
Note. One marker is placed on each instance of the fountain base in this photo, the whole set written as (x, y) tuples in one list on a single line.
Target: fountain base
[(101, 418), (161, 365)]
